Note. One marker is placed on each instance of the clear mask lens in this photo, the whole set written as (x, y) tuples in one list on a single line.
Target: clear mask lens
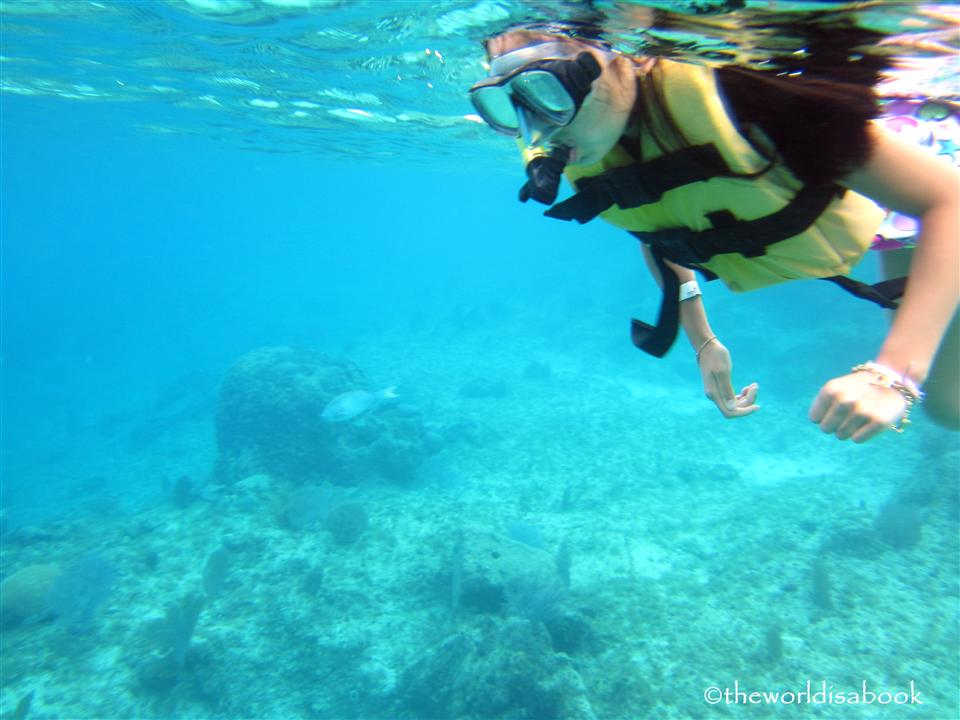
[(520, 100), (546, 102), (496, 107), (543, 93)]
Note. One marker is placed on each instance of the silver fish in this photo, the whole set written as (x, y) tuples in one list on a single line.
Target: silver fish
[(350, 404)]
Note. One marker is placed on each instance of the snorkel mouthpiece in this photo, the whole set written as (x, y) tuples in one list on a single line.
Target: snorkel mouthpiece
[(544, 170)]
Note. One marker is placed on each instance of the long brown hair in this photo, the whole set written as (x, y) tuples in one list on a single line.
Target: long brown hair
[(818, 127)]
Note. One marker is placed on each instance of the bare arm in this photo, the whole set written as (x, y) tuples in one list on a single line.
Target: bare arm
[(693, 316), (716, 368), (903, 177), (910, 181)]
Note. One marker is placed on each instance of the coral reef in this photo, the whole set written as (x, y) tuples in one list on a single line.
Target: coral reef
[(268, 420), (610, 567), (505, 669), (489, 565)]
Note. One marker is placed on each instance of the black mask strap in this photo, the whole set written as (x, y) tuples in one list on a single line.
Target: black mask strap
[(576, 75)]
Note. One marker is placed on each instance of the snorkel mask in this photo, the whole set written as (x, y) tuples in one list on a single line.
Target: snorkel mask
[(534, 91)]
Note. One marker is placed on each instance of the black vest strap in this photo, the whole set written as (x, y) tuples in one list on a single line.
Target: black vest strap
[(885, 294), (643, 183), (656, 340), (639, 183), (750, 238), (729, 235)]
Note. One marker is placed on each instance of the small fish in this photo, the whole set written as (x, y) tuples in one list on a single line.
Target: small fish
[(356, 402)]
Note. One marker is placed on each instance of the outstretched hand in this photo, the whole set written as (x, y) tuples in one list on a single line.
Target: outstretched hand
[(852, 407), (716, 369)]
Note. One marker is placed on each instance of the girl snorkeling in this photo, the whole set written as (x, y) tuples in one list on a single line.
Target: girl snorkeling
[(753, 178)]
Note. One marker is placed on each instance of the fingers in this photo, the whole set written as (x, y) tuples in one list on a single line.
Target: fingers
[(851, 425), (748, 395), (716, 371), (720, 391), (868, 431), (852, 409), (835, 415), (832, 407), (746, 402), (821, 404)]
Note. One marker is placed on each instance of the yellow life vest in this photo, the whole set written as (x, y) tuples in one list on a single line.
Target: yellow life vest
[(835, 241)]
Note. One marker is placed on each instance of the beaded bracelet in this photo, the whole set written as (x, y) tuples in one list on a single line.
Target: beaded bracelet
[(884, 377)]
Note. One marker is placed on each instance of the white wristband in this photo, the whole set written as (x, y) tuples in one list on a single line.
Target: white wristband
[(689, 290)]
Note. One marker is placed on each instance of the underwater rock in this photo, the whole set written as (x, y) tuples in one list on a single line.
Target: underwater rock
[(346, 523), (899, 524), (571, 633), (527, 533), (489, 573), (24, 594), (308, 506), (858, 542), (536, 598), (269, 420), (490, 563), (429, 686), (505, 669), (157, 673)]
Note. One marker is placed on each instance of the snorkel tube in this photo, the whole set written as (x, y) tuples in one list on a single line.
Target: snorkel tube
[(545, 161), (544, 166)]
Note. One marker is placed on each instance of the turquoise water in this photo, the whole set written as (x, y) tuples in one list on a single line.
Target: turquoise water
[(217, 216)]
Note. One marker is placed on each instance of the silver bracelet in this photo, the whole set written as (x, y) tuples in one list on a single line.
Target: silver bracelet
[(703, 345), (885, 377)]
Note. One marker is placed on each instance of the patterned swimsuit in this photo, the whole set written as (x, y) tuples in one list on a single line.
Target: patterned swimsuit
[(931, 124)]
